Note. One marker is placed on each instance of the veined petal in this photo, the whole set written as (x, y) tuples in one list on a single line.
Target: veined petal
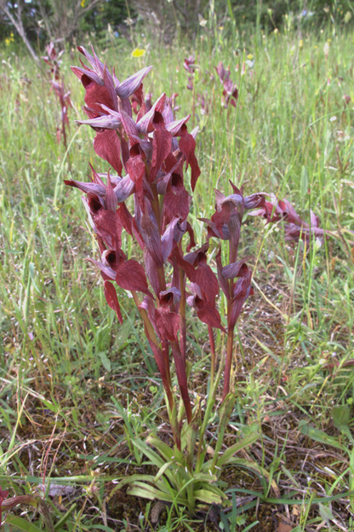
[(144, 124), (177, 200), (107, 145), (87, 187), (175, 126), (167, 323), (104, 122), (107, 272), (161, 147), (96, 64), (109, 227), (129, 125), (111, 198), (80, 72), (210, 316), (222, 281), (168, 238), (131, 276), (235, 269), (131, 84), (124, 188), (148, 228)]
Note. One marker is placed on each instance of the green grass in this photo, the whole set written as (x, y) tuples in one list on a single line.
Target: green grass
[(64, 355)]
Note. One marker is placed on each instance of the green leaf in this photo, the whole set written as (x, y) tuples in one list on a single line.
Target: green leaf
[(245, 442), (304, 183), (50, 406), (224, 414), (32, 274), (341, 415), (106, 363), (207, 496), (214, 489), (318, 435), (132, 478), (22, 524), (325, 512), (226, 410), (101, 527), (65, 517), (149, 453), (141, 489), (164, 449), (205, 477), (162, 470), (341, 418), (254, 524), (248, 464)]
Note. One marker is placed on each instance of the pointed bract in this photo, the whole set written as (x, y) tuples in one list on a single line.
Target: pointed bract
[(107, 146), (111, 298), (131, 84), (131, 276)]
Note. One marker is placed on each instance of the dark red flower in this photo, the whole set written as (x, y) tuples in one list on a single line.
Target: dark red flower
[(3, 495)]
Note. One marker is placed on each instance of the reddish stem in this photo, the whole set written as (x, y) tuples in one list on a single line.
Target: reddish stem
[(227, 372), (182, 313), (182, 378), (213, 357)]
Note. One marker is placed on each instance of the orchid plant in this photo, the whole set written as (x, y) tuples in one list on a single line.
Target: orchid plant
[(53, 61), (150, 155)]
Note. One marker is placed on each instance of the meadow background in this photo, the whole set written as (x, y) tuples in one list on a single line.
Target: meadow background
[(75, 386)]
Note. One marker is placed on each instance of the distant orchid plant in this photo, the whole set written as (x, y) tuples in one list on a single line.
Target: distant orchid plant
[(150, 155), (295, 228), (57, 82), (230, 92)]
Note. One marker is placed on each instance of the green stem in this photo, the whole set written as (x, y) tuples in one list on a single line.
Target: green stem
[(207, 415)]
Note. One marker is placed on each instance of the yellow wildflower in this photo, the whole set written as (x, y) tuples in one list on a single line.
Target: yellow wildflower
[(138, 52), (250, 56), (82, 3), (301, 44), (10, 39)]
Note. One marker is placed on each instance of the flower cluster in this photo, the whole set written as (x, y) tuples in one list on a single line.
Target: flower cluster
[(295, 228), (150, 154), (230, 92), (57, 82)]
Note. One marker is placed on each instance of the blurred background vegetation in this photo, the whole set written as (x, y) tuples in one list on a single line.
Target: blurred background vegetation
[(36, 22)]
